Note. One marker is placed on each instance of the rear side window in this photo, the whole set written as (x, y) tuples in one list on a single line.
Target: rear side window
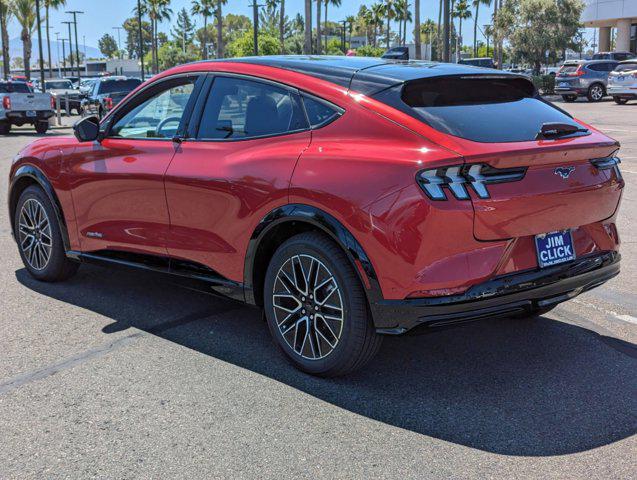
[(319, 113), (239, 109), (481, 108), (117, 86), (626, 67)]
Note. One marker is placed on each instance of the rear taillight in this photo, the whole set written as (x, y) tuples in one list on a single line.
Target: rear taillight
[(6, 103), (458, 178), (53, 103), (108, 102)]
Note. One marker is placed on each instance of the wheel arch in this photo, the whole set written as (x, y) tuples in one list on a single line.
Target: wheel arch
[(24, 177), (289, 220)]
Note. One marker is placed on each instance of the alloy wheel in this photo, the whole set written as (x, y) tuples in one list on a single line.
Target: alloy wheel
[(597, 93), (308, 307), (36, 240)]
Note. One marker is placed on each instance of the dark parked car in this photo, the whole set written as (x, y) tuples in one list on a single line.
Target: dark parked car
[(583, 78), (484, 62), (397, 53), (106, 93)]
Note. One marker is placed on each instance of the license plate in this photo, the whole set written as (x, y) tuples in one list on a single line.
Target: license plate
[(31, 113), (563, 84), (554, 248)]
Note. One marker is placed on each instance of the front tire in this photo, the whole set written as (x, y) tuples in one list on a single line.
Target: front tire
[(569, 98), (620, 101), (595, 92), (39, 237), (5, 128), (316, 308)]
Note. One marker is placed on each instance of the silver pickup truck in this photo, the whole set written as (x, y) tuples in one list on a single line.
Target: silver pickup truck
[(19, 106)]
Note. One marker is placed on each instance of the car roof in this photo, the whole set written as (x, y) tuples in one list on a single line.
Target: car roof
[(366, 75), (629, 60)]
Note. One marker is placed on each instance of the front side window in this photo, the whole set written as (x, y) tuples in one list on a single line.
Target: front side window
[(239, 109), (158, 116)]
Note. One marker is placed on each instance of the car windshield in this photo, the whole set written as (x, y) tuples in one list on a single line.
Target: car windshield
[(626, 67), (59, 85), (602, 56), (17, 87), (482, 108), (112, 86)]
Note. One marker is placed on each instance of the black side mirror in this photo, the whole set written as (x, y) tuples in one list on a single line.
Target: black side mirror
[(87, 129)]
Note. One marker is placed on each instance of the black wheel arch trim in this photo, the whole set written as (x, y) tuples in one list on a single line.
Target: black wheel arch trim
[(327, 224), (35, 174)]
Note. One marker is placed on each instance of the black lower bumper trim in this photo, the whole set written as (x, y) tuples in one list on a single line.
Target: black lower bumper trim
[(502, 296)]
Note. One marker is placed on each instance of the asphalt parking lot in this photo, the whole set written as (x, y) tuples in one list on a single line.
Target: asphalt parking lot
[(120, 375)]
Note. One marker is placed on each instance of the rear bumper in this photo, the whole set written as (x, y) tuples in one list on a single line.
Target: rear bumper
[(21, 116), (502, 296), (569, 91), (623, 92)]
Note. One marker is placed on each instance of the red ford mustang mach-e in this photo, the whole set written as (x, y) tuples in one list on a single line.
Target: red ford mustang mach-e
[(347, 197)]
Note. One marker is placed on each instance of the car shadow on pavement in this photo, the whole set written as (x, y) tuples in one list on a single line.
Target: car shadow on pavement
[(537, 387)]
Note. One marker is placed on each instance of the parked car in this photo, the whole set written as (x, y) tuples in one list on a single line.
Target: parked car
[(21, 79), (106, 93), (349, 198), (75, 81), (622, 82), (64, 89), (484, 62), (19, 105), (583, 78), (397, 53), (618, 56)]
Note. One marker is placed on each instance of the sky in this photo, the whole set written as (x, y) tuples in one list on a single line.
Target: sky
[(102, 15)]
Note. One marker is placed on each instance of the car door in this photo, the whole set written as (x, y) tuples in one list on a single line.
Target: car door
[(118, 182), (246, 136)]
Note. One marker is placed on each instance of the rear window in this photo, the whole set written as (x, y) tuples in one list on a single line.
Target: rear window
[(482, 108), (112, 86), (17, 87), (59, 85), (626, 67), (602, 56), (568, 69)]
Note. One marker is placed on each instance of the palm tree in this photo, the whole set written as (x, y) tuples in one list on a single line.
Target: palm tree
[(476, 4), (318, 27), (282, 26), (48, 4), (24, 12), (390, 13), (461, 12), (203, 8), (307, 47), (336, 3), (219, 18), (417, 29), (404, 16), (158, 10), (5, 15), (378, 15), (350, 20), (439, 23)]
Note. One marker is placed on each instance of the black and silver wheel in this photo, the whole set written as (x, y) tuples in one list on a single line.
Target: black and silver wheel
[(316, 307), (39, 238), (595, 92)]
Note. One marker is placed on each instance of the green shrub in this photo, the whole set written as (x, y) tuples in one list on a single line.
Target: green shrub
[(369, 51), (545, 84), (244, 45)]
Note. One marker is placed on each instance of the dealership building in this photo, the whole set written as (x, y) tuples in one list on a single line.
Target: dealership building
[(608, 14)]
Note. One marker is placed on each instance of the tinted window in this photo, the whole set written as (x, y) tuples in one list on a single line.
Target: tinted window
[(17, 87), (157, 117), (319, 113), (626, 67), (601, 56), (59, 85), (238, 108), (481, 109), (568, 69), (597, 67), (112, 86)]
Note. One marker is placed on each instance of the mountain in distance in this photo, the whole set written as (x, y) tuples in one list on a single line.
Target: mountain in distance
[(15, 50)]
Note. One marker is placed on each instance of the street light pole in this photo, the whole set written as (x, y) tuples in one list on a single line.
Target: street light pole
[(70, 45), (446, 33), (77, 47), (141, 37), (63, 56), (57, 44), (255, 23), (119, 43), (37, 11)]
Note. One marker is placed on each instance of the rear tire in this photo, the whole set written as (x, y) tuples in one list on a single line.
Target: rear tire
[(595, 92), (316, 307), (39, 238), (41, 127), (569, 98), (5, 128), (620, 101)]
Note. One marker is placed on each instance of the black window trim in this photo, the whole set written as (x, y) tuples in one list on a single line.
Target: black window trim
[(197, 113), (146, 92)]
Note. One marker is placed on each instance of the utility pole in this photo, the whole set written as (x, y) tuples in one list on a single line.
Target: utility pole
[(57, 44), (344, 40), (446, 32), (63, 56), (141, 36), (255, 23), (77, 47), (37, 11), (119, 43), (70, 46)]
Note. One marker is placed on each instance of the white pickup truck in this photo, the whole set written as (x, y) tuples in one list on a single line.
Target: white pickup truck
[(19, 106)]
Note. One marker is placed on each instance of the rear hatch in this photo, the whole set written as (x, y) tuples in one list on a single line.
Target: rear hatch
[(568, 75), (624, 75), (529, 168)]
